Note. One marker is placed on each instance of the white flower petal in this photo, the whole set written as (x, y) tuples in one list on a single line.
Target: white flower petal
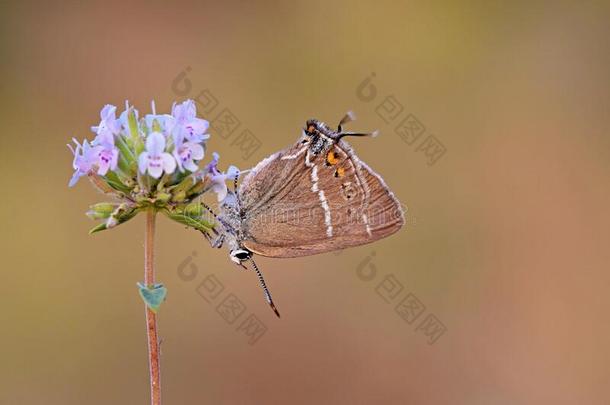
[(190, 166), (169, 164), (155, 144), (155, 171), (196, 151), (221, 191), (143, 162)]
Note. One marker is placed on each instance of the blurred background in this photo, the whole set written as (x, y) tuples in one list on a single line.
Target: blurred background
[(494, 133)]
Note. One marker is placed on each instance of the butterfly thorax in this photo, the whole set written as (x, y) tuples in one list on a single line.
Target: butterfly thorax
[(321, 137), (231, 219)]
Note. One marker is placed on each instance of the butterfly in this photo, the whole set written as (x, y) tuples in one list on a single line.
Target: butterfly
[(316, 196)]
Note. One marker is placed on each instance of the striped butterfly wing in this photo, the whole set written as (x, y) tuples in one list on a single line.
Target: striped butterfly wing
[(299, 204)]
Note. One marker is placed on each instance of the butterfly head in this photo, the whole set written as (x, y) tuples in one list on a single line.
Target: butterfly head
[(315, 129)]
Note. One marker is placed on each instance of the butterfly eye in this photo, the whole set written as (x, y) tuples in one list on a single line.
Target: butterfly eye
[(240, 254)]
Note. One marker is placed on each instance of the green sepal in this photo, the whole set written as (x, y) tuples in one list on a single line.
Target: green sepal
[(134, 140), (162, 199), (127, 160), (152, 295), (180, 190), (156, 127), (115, 182), (101, 210), (99, 228), (120, 215), (186, 183), (199, 188)]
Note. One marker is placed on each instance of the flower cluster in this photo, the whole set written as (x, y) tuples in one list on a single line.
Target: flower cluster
[(150, 162)]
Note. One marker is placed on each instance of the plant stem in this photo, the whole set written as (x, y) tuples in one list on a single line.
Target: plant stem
[(151, 318)]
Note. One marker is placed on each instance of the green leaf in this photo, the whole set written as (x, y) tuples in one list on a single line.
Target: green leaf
[(152, 295)]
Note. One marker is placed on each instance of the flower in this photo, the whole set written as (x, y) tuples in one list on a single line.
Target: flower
[(219, 178), (107, 158), (154, 159), (187, 125), (186, 153), (108, 127), (85, 156)]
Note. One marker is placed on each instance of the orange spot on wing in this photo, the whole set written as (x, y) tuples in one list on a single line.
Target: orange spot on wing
[(340, 172), (331, 158)]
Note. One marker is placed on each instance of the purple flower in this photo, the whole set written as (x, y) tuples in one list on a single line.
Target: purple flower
[(219, 178), (85, 156), (109, 126), (186, 153), (187, 125), (155, 160), (107, 158)]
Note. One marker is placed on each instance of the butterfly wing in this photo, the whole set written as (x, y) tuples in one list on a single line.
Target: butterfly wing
[(298, 204)]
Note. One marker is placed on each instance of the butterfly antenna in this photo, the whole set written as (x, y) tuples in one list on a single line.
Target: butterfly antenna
[(235, 182), (348, 117), (225, 225), (261, 281), (371, 134), (207, 207)]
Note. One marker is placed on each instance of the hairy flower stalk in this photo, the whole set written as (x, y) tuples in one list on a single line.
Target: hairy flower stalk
[(151, 317), (150, 165)]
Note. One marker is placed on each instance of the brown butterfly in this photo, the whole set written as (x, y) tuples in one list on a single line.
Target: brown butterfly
[(313, 197)]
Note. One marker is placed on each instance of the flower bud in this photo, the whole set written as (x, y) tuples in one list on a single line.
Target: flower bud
[(101, 210)]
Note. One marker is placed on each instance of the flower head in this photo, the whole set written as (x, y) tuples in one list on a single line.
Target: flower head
[(134, 159), (154, 159)]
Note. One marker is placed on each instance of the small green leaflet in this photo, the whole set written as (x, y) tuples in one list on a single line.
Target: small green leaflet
[(153, 296)]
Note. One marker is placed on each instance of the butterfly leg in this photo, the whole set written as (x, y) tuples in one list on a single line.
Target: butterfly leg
[(215, 241)]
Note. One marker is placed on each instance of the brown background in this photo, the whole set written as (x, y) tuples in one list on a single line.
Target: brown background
[(507, 236)]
